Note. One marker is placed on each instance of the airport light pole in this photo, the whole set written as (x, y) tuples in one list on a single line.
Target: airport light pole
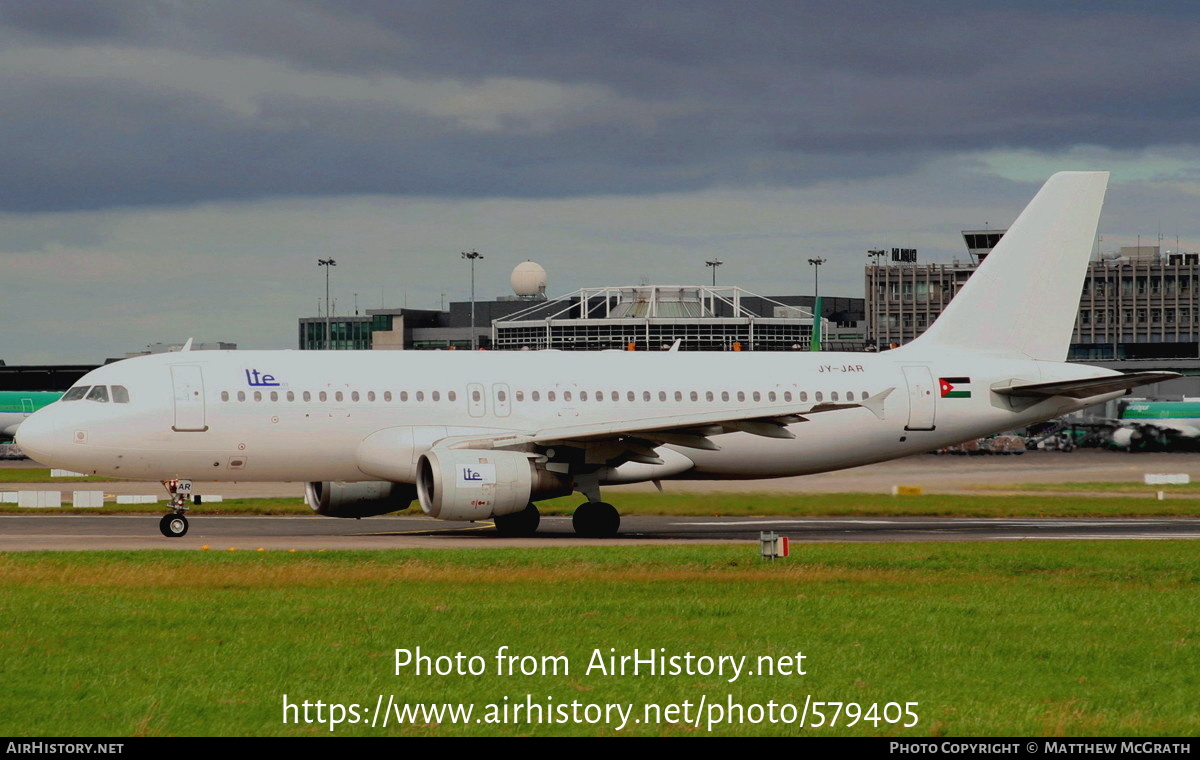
[(327, 263), (473, 256), (816, 263), (713, 264)]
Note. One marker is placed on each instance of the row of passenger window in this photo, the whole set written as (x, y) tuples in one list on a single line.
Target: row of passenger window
[(119, 394), (552, 396)]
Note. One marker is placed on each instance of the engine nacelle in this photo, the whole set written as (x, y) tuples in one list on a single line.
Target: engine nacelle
[(335, 499), (473, 484)]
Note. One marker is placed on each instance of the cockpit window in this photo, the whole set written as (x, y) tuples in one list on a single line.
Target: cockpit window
[(120, 395), (99, 393), (76, 393)]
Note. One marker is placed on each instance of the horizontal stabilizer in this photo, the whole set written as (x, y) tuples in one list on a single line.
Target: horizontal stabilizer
[(1094, 386)]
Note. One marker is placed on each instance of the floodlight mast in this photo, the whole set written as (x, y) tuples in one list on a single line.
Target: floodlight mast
[(473, 256), (327, 263)]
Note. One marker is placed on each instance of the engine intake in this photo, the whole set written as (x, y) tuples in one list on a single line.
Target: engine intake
[(471, 484), (337, 499)]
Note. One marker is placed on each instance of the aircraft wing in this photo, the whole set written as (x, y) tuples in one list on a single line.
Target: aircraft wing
[(1095, 386), (691, 430)]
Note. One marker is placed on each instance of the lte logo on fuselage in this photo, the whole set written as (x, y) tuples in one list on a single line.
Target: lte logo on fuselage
[(255, 379)]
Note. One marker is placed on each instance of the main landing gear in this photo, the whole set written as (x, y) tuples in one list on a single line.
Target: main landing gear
[(175, 525), (596, 519), (523, 523)]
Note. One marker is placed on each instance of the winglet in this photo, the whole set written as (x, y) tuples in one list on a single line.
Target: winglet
[(675, 346), (875, 403), (187, 346)]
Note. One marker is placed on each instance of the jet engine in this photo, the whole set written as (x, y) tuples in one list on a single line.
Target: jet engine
[(334, 499), (472, 484)]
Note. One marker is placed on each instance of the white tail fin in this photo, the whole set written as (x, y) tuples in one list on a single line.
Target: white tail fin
[(1023, 298)]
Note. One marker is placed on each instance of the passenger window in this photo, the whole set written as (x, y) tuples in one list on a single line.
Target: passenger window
[(404, 395), (536, 396), (99, 393), (241, 395), (519, 394), (695, 396), (616, 396), (323, 396), (550, 395), (451, 395), (307, 396), (420, 395), (865, 395), (370, 395), (76, 393), (849, 395), (630, 396), (291, 396), (599, 395), (757, 396), (354, 396), (833, 396), (662, 395), (337, 395), (475, 396), (771, 396), (583, 395), (804, 396), (436, 396), (724, 395), (645, 395), (566, 395), (708, 395), (387, 396), (224, 395), (819, 396), (741, 395), (787, 395), (274, 395), (679, 395), (258, 395)]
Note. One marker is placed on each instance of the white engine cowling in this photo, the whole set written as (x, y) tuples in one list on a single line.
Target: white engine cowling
[(472, 484), (358, 499)]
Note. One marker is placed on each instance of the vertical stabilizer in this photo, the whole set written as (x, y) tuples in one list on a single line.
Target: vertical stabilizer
[(1022, 300)]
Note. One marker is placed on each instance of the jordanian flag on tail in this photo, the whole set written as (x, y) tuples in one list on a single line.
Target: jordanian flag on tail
[(950, 387)]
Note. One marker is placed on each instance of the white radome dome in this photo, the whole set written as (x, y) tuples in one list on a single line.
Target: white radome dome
[(528, 279)]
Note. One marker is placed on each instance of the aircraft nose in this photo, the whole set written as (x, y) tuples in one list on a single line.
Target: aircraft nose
[(39, 436)]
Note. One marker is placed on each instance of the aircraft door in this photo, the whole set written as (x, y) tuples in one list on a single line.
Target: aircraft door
[(188, 381), (475, 404), (922, 404), (500, 399)]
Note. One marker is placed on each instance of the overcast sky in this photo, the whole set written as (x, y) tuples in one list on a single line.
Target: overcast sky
[(171, 169)]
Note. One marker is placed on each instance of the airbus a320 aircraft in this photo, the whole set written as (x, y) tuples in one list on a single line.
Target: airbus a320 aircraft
[(484, 435)]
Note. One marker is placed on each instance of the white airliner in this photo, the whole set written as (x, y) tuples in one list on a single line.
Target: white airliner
[(483, 435)]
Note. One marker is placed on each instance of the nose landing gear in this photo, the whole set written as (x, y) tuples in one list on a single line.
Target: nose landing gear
[(175, 525)]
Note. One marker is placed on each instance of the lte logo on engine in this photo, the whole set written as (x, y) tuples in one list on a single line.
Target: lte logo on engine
[(476, 475)]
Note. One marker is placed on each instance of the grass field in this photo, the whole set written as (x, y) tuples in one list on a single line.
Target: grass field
[(765, 504), (1014, 639)]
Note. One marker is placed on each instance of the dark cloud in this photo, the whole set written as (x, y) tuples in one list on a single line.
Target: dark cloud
[(714, 93)]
